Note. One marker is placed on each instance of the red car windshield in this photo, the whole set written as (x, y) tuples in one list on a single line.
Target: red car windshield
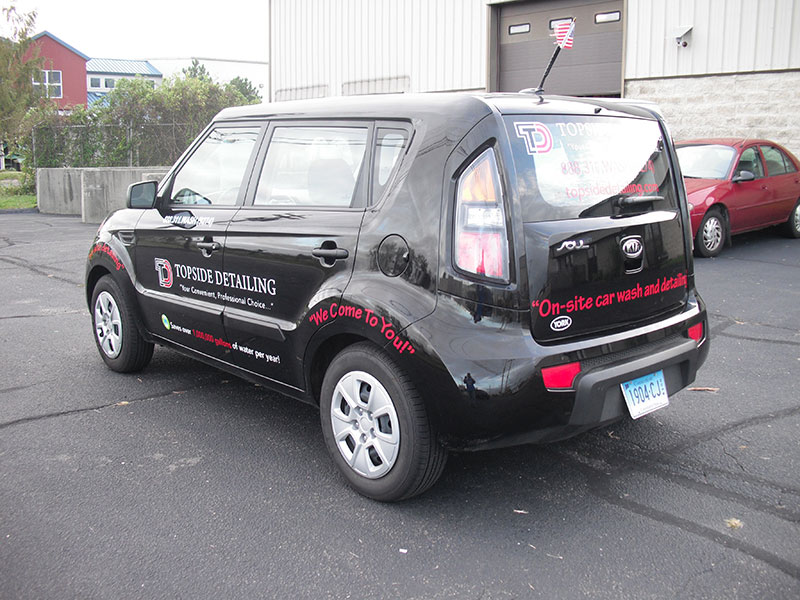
[(706, 161)]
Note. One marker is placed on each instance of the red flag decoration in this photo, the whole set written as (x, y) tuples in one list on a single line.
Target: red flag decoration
[(565, 33)]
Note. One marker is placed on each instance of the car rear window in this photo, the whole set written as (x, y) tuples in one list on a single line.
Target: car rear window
[(572, 167)]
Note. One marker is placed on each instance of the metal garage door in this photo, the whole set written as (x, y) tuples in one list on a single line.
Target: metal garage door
[(592, 67)]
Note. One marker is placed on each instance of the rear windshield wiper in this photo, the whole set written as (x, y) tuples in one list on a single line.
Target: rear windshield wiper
[(631, 200)]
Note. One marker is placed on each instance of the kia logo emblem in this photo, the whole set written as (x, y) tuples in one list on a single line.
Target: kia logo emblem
[(632, 246), (560, 323)]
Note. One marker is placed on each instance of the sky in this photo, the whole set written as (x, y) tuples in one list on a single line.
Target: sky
[(149, 29)]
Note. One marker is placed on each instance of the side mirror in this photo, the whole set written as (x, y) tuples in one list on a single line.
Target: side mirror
[(142, 194), (743, 176)]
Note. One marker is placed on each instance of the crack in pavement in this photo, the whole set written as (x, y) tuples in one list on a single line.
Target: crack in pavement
[(64, 413), (736, 321), (599, 484), (25, 387), (51, 314), (38, 269), (624, 463), (755, 339), (694, 440)]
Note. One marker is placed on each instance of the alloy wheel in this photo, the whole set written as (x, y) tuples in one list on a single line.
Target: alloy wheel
[(108, 324)]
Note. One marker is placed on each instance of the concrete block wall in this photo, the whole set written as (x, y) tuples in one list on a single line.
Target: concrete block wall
[(751, 105), (105, 190), (90, 193), (58, 191)]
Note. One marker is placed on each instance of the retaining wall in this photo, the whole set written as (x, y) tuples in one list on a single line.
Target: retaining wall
[(90, 193)]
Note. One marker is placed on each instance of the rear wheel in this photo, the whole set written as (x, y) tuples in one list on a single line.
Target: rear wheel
[(793, 222), (712, 234), (120, 344), (376, 427)]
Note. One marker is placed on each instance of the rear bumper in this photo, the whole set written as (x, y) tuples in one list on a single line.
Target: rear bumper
[(498, 398), (599, 399)]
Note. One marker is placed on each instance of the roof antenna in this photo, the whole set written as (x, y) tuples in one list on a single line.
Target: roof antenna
[(564, 34)]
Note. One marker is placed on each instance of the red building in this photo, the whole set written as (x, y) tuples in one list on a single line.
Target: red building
[(63, 77)]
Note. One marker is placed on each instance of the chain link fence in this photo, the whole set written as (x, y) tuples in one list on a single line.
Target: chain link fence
[(110, 145)]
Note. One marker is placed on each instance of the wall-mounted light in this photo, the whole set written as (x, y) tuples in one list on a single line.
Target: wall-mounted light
[(682, 35)]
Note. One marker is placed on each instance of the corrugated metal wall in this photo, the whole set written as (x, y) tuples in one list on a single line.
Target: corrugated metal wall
[(727, 36), (343, 47)]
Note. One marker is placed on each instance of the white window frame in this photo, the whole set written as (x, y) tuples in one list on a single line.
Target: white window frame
[(48, 85)]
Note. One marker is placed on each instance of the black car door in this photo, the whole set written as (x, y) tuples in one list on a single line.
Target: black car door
[(294, 242), (179, 252)]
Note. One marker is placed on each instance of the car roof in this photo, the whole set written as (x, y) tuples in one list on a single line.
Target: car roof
[(734, 142), (449, 105)]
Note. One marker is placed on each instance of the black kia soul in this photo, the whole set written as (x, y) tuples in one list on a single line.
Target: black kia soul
[(436, 272)]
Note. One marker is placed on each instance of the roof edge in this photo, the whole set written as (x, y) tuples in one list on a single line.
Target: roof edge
[(60, 41)]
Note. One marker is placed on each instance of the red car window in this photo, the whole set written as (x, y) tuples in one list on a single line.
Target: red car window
[(777, 161), (750, 161)]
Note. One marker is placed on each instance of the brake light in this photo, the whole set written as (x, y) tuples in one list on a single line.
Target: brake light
[(481, 240), (560, 377), (696, 332)]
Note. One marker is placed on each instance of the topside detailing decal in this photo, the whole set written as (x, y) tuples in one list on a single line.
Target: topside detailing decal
[(537, 137), (167, 272), (386, 327), (164, 270)]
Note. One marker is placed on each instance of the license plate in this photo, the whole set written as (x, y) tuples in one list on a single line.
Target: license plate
[(645, 394)]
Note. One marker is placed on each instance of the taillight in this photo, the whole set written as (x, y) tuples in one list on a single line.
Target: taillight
[(561, 377), (696, 332), (481, 241)]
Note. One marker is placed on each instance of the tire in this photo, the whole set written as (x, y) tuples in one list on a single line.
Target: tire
[(793, 222), (712, 234), (379, 434), (118, 340)]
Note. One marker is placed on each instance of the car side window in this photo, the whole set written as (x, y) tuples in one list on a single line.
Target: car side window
[(312, 166), (750, 161), (777, 162), (389, 146), (213, 174)]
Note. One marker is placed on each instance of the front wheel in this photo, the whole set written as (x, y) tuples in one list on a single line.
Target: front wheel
[(376, 427), (121, 345), (712, 234), (793, 222)]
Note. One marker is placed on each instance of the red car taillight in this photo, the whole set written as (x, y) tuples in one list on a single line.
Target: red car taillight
[(481, 240), (560, 377), (696, 332)]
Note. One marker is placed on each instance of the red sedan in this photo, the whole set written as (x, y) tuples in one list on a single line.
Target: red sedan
[(737, 185)]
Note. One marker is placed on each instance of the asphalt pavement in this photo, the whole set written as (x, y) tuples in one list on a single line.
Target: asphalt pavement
[(185, 482)]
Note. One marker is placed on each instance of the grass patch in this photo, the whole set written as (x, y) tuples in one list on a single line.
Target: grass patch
[(23, 201), (5, 175)]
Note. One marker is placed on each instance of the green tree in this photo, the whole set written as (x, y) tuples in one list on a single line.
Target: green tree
[(246, 88), (19, 63), (197, 71)]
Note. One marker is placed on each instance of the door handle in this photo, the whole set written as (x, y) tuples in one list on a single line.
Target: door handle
[(333, 253), (210, 246), (207, 248), (328, 253)]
